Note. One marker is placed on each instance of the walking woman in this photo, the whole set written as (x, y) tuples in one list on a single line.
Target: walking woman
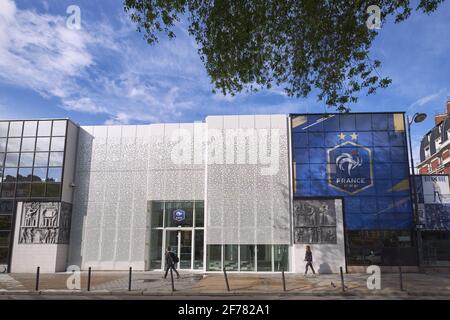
[(309, 260)]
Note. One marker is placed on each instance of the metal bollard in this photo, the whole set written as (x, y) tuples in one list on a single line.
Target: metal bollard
[(129, 279), (342, 280), (89, 280), (400, 278), (226, 279), (284, 280), (171, 278), (37, 278)]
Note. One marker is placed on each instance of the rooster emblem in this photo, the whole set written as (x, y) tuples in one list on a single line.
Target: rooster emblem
[(351, 161)]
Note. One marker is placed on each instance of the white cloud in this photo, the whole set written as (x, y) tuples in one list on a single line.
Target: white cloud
[(427, 99)]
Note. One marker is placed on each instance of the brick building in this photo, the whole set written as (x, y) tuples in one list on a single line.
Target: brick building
[(435, 147)]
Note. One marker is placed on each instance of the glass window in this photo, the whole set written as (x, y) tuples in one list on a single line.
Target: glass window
[(13, 145), (5, 222), (230, 259), (28, 144), (2, 160), (38, 190), (15, 129), (25, 174), (56, 159), (23, 190), (54, 175), (39, 174), (4, 238), (41, 159), (45, 128), (264, 255), (10, 175), (8, 190), (58, 144), (53, 190), (4, 129), (157, 213), (281, 257), (214, 258), (26, 159), (59, 128), (198, 255), (29, 129), (155, 249), (4, 255), (12, 160), (43, 144), (247, 258), (6, 207), (179, 213), (199, 214), (2, 145)]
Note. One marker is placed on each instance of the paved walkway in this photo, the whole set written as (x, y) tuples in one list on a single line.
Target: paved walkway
[(197, 284)]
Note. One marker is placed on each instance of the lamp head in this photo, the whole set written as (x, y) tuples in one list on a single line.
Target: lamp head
[(420, 117)]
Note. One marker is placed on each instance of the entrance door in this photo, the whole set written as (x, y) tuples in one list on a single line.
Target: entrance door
[(181, 243)]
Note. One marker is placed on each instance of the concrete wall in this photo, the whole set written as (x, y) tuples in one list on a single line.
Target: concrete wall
[(247, 180), (27, 257), (327, 258), (119, 169)]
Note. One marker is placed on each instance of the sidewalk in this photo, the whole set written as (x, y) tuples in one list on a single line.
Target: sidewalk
[(258, 285)]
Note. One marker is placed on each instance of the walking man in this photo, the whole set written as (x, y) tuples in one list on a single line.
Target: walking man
[(171, 261)]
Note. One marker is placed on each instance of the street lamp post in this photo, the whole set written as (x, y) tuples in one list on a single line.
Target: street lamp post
[(416, 118)]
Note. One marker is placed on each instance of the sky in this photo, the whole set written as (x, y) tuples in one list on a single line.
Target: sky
[(106, 73)]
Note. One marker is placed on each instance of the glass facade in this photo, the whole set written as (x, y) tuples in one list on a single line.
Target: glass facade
[(178, 224), (31, 166), (363, 159), (247, 258)]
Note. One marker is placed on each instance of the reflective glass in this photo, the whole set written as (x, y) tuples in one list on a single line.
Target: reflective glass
[(53, 190), (264, 257), (54, 175), (4, 129), (56, 159), (58, 144), (28, 144), (43, 144), (13, 145), (230, 256), (38, 190), (15, 129), (5, 222), (214, 258), (45, 128), (26, 159), (41, 159), (2, 144), (4, 238), (23, 190), (30, 128), (39, 174), (59, 128), (247, 257), (10, 175), (8, 190), (12, 160), (25, 174)]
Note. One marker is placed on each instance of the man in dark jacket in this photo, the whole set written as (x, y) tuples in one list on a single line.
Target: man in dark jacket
[(171, 261), (309, 259)]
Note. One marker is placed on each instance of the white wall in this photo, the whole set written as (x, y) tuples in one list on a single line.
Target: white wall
[(247, 200), (119, 169)]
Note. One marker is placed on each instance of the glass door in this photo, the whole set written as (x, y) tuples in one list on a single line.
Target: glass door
[(181, 243)]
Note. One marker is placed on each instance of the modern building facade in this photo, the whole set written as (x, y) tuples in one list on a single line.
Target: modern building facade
[(245, 193), (435, 147)]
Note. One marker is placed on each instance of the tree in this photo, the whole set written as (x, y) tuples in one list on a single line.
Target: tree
[(295, 44)]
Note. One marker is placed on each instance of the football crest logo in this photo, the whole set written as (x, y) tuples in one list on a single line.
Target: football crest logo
[(179, 215), (350, 167)]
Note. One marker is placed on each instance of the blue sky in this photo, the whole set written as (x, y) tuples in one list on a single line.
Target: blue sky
[(107, 73)]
